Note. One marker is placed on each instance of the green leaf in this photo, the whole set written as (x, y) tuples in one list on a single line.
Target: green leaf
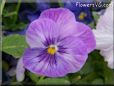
[(33, 77), (108, 75), (16, 83), (97, 81), (92, 69), (10, 14), (54, 81), (10, 17), (14, 45), (87, 68), (101, 68), (74, 77), (13, 27), (86, 79), (92, 25), (95, 16)]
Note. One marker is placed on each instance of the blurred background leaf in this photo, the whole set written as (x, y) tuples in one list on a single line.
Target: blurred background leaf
[(14, 45), (97, 81), (40, 80), (95, 71), (2, 4), (33, 77), (10, 19), (54, 81)]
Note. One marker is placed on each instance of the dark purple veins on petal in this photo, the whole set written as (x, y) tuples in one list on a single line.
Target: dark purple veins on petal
[(44, 56), (62, 49), (49, 41)]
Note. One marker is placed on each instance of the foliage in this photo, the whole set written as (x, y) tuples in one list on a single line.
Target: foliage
[(14, 45)]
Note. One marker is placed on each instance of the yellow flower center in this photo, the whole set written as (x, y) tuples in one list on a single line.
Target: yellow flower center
[(52, 49), (82, 15)]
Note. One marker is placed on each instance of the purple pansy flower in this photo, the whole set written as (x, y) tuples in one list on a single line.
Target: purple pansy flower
[(58, 45)]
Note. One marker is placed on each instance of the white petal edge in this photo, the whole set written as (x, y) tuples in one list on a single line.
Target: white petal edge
[(20, 70), (106, 21), (108, 56), (103, 40)]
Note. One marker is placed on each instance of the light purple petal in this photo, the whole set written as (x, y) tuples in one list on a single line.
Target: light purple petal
[(64, 18), (85, 33), (58, 65), (38, 32), (76, 53), (43, 67), (20, 70)]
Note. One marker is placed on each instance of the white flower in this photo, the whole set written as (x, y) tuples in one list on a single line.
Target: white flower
[(20, 70), (104, 35)]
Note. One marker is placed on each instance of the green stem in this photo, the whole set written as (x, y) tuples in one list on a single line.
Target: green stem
[(17, 9), (41, 78), (10, 14), (2, 7)]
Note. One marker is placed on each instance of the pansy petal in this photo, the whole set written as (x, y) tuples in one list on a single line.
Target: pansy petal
[(20, 70), (108, 56), (104, 35), (58, 65), (75, 53), (104, 30), (62, 16), (85, 33), (103, 40), (42, 65), (30, 57), (38, 32), (106, 22)]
